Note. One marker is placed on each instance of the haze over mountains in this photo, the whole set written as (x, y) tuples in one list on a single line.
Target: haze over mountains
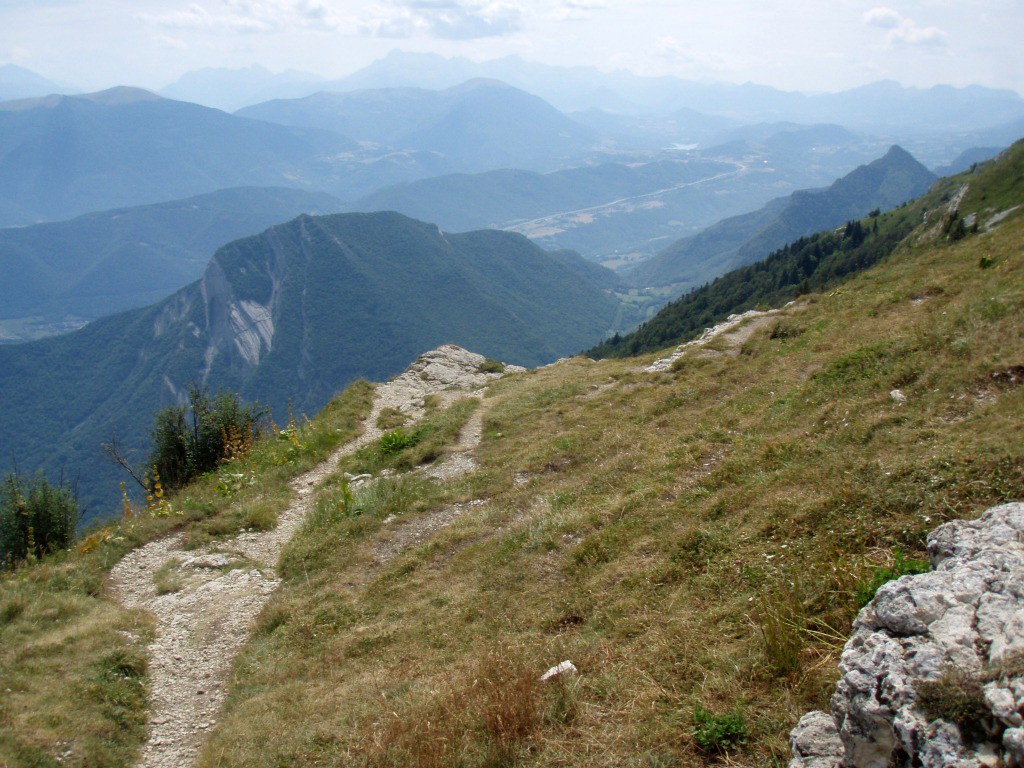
[(100, 263), (580, 88), (292, 315), (734, 242), (66, 155), (670, 182), (478, 124)]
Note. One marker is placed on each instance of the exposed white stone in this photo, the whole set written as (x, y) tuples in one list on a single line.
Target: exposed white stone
[(966, 614), (565, 668), (815, 742)]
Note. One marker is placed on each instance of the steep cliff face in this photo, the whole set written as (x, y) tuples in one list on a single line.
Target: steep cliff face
[(933, 675)]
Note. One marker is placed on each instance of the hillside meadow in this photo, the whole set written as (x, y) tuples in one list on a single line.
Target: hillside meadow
[(696, 541)]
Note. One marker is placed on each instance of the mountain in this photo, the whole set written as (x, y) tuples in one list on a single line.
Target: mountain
[(232, 89), (102, 263), (65, 155), (622, 212), (476, 125), (966, 159), (20, 83), (883, 104), (882, 184), (291, 316), (684, 542)]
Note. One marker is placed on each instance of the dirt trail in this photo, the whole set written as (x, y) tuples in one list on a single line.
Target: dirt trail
[(202, 625)]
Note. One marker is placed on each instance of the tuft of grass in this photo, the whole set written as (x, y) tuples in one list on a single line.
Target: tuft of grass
[(168, 578), (901, 566), (403, 450), (956, 696), (492, 366), (391, 418)]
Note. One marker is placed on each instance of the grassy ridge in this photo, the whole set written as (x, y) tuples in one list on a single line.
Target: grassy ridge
[(816, 262), (696, 542), (72, 661)]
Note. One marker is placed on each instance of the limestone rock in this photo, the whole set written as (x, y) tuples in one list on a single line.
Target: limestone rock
[(815, 742), (564, 668), (968, 615)]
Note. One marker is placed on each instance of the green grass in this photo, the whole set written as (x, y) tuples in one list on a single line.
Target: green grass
[(697, 542), (404, 448), (72, 661)]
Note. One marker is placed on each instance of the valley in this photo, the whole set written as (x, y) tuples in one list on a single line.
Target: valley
[(464, 412)]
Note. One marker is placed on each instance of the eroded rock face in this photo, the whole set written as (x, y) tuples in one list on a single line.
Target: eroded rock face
[(967, 616)]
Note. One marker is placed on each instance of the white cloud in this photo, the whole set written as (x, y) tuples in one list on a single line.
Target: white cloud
[(903, 30), (246, 16), (576, 10), (445, 19), (885, 18)]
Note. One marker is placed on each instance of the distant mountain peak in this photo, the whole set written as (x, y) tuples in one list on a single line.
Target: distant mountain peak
[(119, 94)]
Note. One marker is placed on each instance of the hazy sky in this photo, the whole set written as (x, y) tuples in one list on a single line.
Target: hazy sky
[(809, 45)]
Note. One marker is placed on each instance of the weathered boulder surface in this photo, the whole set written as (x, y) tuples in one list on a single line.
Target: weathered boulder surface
[(957, 629), (447, 367)]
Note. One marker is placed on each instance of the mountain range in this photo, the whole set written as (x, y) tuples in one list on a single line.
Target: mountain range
[(65, 155), (478, 124), (739, 240), (101, 263), (288, 318), (20, 83), (883, 103), (624, 211)]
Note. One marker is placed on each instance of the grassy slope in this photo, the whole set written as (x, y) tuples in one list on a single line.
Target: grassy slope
[(693, 538), (72, 662), (813, 263)]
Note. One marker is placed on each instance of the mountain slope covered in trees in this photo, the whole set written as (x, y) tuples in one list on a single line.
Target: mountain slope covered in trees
[(291, 316)]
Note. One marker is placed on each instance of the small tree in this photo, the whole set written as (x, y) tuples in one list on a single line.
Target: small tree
[(36, 518), (190, 441)]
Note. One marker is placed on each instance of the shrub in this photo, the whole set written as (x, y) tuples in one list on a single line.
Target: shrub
[(188, 442), (492, 366), (395, 441), (715, 733), (36, 518)]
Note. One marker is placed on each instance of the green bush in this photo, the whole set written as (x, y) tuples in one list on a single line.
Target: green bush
[(36, 518), (396, 440), (715, 733), (187, 442), (492, 366)]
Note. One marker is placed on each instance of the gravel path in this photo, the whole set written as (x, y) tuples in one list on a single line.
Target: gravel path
[(220, 589)]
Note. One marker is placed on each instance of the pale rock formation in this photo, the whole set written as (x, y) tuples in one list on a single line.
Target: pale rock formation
[(967, 614)]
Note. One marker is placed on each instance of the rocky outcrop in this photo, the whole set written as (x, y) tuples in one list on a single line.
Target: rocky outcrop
[(933, 674), (449, 367)]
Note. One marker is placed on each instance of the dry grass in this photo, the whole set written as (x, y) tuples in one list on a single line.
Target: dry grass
[(693, 541), (72, 662)]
